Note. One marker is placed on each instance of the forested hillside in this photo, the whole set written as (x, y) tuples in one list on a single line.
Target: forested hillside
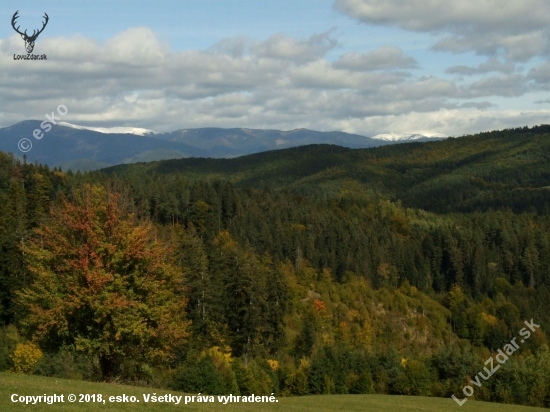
[(489, 170), (311, 270)]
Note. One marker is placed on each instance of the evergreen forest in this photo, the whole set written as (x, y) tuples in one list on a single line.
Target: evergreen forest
[(312, 270)]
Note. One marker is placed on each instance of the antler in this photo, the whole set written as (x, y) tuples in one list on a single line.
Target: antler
[(13, 19), (34, 33), (43, 25), (34, 36)]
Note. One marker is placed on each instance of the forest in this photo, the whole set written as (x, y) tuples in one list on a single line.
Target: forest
[(311, 270)]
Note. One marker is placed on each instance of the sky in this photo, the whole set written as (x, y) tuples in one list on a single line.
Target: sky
[(361, 66)]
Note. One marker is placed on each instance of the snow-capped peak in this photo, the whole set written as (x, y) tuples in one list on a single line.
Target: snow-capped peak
[(116, 130), (393, 137)]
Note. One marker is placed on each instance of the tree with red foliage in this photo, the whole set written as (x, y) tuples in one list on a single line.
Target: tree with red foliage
[(103, 283)]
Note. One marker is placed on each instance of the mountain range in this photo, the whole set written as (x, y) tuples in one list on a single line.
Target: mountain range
[(87, 148)]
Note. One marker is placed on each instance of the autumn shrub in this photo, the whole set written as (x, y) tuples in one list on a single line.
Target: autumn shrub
[(25, 357)]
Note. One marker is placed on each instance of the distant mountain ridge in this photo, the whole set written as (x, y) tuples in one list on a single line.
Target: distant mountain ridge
[(88, 148), (392, 137)]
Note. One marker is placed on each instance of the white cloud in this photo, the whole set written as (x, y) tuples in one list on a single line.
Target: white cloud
[(322, 75), (431, 15), (502, 85), (133, 79), (135, 46), (452, 122), (234, 46), (541, 76), (518, 28), (280, 46), (491, 65), (388, 57), (520, 47)]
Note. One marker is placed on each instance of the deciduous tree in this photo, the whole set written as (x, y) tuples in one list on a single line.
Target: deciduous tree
[(104, 283)]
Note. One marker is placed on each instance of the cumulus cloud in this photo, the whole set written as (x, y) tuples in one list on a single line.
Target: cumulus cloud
[(281, 46), (513, 85), (540, 75), (136, 45), (423, 15), (133, 79), (518, 28), (388, 57), (234, 46), (521, 47), (491, 65), (477, 105)]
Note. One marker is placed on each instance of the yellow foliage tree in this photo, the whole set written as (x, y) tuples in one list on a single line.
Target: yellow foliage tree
[(25, 357)]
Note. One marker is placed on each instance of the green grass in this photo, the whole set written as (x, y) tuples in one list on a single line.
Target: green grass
[(33, 385)]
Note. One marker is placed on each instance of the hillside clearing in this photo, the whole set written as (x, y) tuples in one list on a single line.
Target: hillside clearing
[(35, 386)]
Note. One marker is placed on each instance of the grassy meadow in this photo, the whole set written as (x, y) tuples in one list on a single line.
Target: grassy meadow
[(32, 385)]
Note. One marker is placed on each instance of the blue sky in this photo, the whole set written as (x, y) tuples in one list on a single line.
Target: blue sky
[(200, 24), (362, 66)]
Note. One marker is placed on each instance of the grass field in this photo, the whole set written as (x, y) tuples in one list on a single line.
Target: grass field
[(29, 386)]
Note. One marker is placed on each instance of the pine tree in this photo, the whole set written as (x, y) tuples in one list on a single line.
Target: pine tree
[(204, 290)]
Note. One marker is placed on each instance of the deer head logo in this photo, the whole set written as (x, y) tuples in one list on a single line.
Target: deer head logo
[(29, 40)]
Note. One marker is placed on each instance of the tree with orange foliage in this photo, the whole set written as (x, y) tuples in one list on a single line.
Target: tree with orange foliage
[(319, 306), (103, 283)]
